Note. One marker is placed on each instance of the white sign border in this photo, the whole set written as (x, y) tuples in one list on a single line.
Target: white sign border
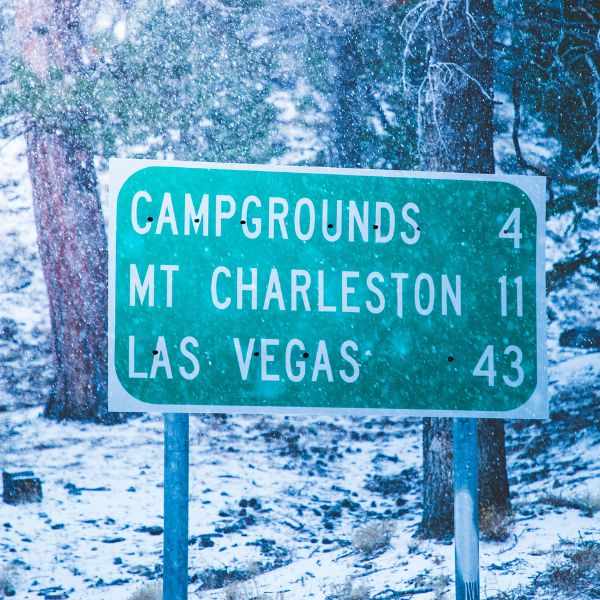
[(120, 400)]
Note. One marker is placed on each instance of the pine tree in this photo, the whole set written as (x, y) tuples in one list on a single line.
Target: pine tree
[(71, 235), (455, 133)]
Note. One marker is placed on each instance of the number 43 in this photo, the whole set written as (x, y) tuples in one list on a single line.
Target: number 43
[(485, 366)]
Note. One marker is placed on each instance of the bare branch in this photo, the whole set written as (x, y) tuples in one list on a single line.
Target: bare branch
[(449, 66)]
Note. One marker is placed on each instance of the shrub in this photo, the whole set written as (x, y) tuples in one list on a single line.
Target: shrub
[(8, 583), (245, 591), (440, 586), (348, 591), (373, 537), (578, 568), (495, 526), (152, 591), (587, 502)]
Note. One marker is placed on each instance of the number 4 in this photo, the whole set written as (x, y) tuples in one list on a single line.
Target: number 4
[(486, 358), (514, 220)]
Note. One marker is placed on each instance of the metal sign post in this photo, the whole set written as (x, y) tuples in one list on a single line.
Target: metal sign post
[(176, 496), (466, 509)]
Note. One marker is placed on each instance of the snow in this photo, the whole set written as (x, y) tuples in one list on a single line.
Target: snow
[(287, 494), (296, 468)]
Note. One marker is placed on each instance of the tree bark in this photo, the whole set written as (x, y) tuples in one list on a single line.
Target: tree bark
[(349, 100), (437, 479), (455, 130), (70, 227), (595, 71)]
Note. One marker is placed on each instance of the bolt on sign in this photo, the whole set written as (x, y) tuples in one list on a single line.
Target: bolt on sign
[(285, 289)]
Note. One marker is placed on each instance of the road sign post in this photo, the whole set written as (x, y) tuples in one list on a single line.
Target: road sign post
[(176, 500), (265, 289), (466, 509)]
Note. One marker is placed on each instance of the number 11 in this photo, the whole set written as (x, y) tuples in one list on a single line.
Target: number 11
[(504, 295)]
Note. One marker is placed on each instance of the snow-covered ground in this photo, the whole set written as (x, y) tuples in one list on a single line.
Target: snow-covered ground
[(275, 502)]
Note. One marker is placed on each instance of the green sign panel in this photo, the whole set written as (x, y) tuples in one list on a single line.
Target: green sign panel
[(280, 289)]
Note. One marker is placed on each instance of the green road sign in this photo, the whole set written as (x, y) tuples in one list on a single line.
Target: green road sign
[(282, 289)]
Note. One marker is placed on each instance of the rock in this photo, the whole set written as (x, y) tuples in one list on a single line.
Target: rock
[(267, 547), (151, 529), (580, 337), (53, 593), (14, 276), (217, 578), (8, 329), (388, 485), (204, 540), (21, 487), (75, 490)]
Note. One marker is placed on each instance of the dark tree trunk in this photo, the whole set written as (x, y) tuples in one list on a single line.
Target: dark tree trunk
[(349, 101), (494, 498), (456, 102), (437, 473), (70, 227), (456, 134)]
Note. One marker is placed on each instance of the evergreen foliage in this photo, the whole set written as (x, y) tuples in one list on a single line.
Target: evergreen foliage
[(197, 80)]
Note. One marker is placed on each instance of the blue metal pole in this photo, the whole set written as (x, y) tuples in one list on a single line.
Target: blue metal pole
[(466, 509), (176, 496)]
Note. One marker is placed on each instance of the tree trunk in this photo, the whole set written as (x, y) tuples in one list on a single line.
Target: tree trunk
[(455, 130), (595, 71), (349, 100), (437, 479), (70, 227)]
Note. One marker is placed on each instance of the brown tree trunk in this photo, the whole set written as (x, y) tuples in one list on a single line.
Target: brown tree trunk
[(349, 101), (595, 71), (456, 134), (437, 478), (70, 227)]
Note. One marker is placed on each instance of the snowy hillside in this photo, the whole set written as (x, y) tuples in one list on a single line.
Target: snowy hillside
[(300, 507)]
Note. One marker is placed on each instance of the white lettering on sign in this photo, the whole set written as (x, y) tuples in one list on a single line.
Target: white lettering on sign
[(406, 210), (295, 358), (331, 232), (167, 216), (346, 291), (278, 211), (169, 270), (139, 289), (251, 234), (504, 295), (187, 353), (399, 277), (485, 366), (222, 213), (160, 360), (389, 222), (191, 214), (196, 217), (135, 223), (133, 374), (217, 303), (514, 221)]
